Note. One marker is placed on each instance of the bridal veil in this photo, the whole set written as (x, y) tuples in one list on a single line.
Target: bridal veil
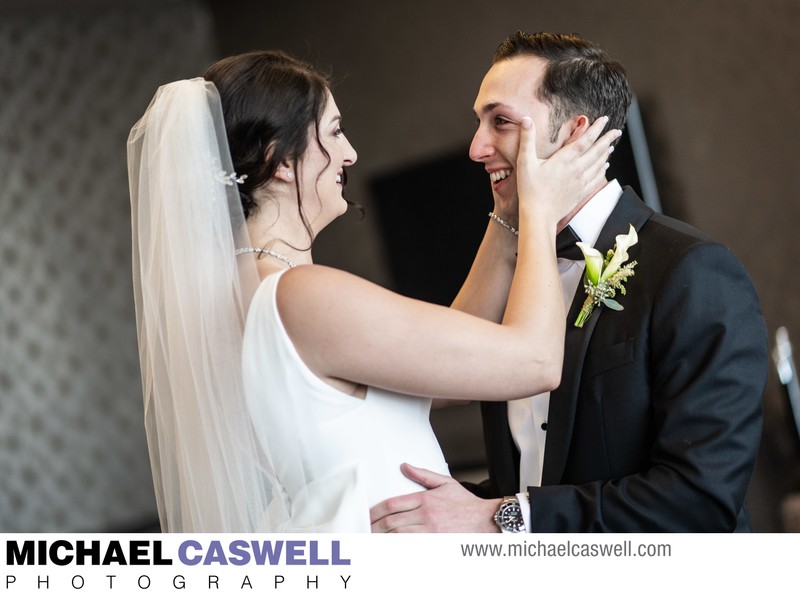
[(192, 294)]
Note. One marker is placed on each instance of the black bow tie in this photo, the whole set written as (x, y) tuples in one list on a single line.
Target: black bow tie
[(565, 245)]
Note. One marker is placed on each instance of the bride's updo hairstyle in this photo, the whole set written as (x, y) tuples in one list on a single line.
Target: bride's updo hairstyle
[(269, 101)]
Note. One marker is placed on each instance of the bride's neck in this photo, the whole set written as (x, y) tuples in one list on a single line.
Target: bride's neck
[(278, 227)]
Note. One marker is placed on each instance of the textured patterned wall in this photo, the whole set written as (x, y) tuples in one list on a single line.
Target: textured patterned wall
[(72, 449)]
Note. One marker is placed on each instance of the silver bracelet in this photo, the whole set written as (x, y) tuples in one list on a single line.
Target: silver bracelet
[(504, 223)]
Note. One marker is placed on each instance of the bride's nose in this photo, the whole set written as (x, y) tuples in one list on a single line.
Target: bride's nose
[(350, 154)]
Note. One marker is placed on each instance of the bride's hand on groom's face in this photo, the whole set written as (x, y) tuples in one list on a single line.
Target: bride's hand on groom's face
[(563, 181), (445, 506)]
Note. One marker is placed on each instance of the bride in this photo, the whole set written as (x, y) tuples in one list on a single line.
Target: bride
[(281, 395)]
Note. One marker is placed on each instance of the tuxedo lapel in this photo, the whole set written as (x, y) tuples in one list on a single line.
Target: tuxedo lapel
[(564, 399), (630, 210), (500, 447)]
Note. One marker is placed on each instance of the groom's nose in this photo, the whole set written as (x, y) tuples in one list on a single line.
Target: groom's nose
[(481, 147)]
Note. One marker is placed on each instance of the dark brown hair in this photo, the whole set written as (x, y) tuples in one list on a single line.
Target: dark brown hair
[(269, 101), (580, 78)]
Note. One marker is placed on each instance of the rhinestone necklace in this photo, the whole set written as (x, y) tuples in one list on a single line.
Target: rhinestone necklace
[(257, 250)]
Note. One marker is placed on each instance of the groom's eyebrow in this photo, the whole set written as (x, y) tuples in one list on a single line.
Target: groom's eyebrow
[(490, 107)]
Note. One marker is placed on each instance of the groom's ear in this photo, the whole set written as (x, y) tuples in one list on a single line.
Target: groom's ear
[(575, 127)]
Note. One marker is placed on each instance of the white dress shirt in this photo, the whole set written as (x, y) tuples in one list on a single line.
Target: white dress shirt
[(527, 417)]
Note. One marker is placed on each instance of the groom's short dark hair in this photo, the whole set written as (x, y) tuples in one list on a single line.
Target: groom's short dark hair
[(580, 78)]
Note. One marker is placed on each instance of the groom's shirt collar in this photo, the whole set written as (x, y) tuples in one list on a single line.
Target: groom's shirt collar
[(590, 220)]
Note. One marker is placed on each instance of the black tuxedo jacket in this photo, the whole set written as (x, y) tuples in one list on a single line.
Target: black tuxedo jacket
[(657, 421)]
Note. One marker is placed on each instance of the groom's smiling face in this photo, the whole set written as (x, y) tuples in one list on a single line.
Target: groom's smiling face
[(508, 93)]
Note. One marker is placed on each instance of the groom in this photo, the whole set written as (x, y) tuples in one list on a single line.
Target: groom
[(657, 421)]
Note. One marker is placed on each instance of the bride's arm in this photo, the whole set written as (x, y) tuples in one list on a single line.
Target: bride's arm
[(485, 290), (346, 327)]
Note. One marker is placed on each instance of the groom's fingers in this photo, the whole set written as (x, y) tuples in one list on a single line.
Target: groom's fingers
[(381, 514), (426, 478), (401, 512), (395, 514)]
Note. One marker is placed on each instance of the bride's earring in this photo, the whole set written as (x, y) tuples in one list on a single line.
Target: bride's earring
[(285, 172)]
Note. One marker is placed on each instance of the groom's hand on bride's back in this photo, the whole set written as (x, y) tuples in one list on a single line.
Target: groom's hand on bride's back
[(445, 506)]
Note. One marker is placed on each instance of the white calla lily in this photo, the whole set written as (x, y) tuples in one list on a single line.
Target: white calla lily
[(605, 275), (620, 253), (594, 262)]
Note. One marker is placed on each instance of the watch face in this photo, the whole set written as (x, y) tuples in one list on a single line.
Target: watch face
[(509, 517), (511, 514)]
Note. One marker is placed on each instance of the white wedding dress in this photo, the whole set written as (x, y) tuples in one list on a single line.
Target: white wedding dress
[(335, 455)]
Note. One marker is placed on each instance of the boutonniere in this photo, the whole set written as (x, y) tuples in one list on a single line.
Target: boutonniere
[(604, 276)]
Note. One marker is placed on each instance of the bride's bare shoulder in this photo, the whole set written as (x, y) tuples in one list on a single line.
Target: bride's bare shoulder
[(314, 289), (317, 277)]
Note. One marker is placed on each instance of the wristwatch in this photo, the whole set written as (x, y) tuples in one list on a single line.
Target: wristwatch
[(509, 515)]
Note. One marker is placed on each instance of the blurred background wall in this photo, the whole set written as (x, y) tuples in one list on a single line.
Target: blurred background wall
[(717, 82)]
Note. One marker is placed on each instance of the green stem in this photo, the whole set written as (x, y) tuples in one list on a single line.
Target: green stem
[(586, 311)]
